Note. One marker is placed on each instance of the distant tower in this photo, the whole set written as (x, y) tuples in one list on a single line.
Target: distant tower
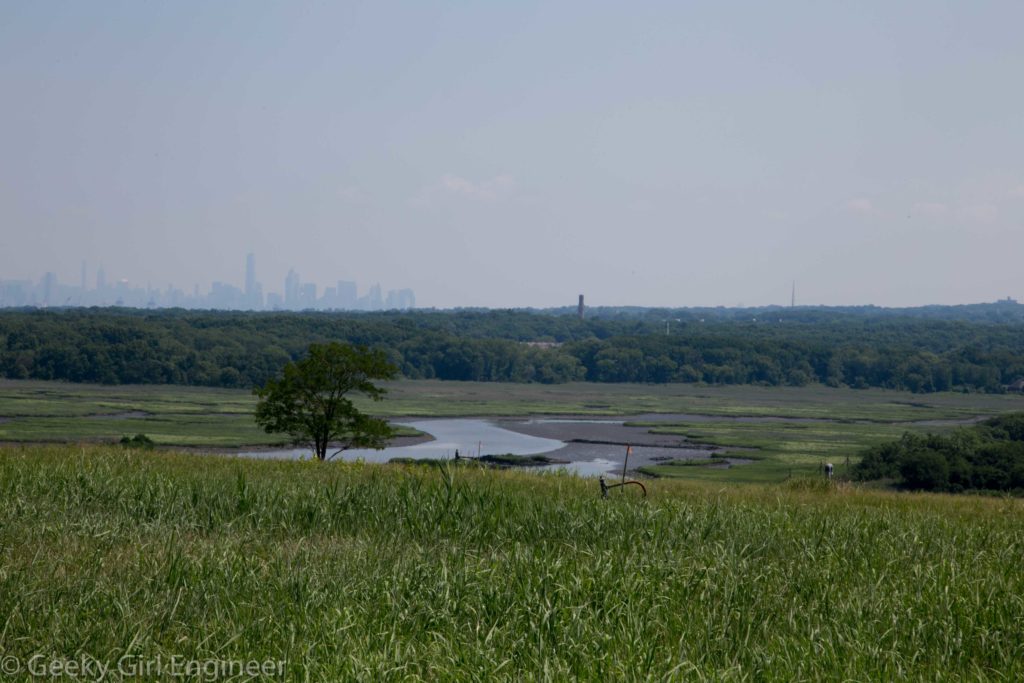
[(347, 295), (580, 308), (83, 276), (253, 289), (374, 300), (291, 289), (250, 276), (49, 287), (101, 279), (792, 298)]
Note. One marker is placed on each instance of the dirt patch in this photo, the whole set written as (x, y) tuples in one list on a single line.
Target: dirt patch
[(126, 415), (410, 440), (597, 432), (590, 439)]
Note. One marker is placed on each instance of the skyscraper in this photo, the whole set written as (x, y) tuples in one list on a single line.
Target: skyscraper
[(49, 288), (253, 290), (374, 300), (347, 295), (400, 299), (250, 275), (291, 289)]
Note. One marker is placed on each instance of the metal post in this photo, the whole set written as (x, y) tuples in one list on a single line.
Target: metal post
[(625, 463)]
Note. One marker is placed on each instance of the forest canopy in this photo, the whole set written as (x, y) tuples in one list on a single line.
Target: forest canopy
[(835, 347)]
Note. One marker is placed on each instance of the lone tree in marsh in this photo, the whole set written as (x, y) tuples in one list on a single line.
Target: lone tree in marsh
[(310, 401)]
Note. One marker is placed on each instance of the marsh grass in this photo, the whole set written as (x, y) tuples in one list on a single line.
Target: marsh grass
[(456, 399), (363, 572), (781, 449)]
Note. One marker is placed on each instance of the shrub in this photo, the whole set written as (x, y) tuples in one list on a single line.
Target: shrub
[(925, 470), (137, 441)]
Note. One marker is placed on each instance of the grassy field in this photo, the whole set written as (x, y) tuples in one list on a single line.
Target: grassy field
[(362, 572)]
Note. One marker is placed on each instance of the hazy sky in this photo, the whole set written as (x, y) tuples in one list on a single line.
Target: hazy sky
[(520, 153)]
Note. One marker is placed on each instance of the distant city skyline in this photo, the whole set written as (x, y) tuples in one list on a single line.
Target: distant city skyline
[(295, 294), (98, 288)]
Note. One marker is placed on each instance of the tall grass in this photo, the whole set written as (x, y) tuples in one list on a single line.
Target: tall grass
[(353, 571)]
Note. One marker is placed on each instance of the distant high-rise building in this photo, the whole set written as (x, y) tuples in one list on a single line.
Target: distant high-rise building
[(374, 300), (401, 299), (101, 279), (307, 295), (347, 295), (580, 308), (291, 289), (49, 288), (250, 275), (253, 290), (225, 296), (83, 277)]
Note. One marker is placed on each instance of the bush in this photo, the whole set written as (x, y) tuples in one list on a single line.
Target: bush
[(925, 470), (988, 457), (137, 441)]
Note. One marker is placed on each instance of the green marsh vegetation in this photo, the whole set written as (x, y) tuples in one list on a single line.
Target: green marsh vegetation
[(458, 399), (353, 572), (205, 418), (65, 411), (778, 449), (198, 417)]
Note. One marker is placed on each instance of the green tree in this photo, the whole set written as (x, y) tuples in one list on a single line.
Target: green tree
[(926, 470), (310, 400)]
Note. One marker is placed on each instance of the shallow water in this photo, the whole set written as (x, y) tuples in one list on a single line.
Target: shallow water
[(473, 437), (470, 437), (572, 420), (584, 468)]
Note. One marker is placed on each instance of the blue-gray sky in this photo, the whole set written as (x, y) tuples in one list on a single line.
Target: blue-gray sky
[(519, 153)]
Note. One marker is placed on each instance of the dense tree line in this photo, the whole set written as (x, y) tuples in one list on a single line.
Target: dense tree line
[(1005, 311), (987, 457), (215, 348)]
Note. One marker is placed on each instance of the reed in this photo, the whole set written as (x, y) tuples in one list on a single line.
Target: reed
[(364, 572)]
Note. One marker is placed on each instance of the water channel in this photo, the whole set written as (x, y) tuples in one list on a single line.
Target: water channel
[(473, 437), (588, 446)]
